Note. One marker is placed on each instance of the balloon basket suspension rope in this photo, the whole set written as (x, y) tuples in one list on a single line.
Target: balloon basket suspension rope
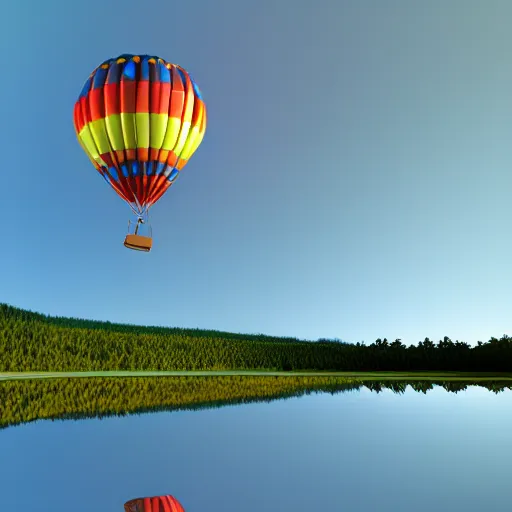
[(138, 242)]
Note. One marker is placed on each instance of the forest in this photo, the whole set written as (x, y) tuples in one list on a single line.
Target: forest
[(36, 342), (24, 401)]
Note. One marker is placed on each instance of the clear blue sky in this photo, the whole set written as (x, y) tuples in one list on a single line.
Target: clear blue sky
[(354, 181)]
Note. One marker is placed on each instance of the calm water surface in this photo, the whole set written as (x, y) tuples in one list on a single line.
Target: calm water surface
[(356, 451)]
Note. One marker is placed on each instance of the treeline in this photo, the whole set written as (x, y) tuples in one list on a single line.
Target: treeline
[(23, 401), (30, 316), (34, 342)]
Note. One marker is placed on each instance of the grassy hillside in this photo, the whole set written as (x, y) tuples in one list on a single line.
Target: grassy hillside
[(35, 342)]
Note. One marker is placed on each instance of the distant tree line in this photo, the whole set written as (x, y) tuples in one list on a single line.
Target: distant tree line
[(22, 401), (35, 342)]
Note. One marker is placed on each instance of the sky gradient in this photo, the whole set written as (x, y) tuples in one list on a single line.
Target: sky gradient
[(354, 180)]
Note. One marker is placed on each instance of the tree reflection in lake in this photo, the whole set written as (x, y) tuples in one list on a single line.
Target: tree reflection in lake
[(23, 401)]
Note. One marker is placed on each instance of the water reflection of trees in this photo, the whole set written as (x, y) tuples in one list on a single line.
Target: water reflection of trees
[(422, 386), (22, 401), (30, 400)]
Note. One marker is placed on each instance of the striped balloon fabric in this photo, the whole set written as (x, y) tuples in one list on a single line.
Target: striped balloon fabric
[(154, 504), (140, 119)]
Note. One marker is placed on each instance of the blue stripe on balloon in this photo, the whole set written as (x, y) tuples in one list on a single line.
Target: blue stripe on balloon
[(196, 89), (125, 170), (144, 69), (173, 175), (130, 70), (86, 88), (114, 73), (160, 167), (113, 172), (99, 78), (165, 74)]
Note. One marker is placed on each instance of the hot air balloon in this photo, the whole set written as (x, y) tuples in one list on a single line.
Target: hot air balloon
[(139, 119), (165, 503)]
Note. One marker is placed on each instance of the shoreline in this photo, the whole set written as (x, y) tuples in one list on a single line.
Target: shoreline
[(477, 376)]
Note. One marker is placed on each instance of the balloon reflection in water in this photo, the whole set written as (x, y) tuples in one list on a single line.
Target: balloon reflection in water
[(166, 503)]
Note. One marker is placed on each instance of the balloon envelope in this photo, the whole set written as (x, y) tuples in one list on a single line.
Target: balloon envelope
[(139, 119), (165, 503)]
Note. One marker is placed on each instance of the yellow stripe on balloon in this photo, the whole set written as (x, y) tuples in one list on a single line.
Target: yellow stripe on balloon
[(188, 148), (182, 139), (99, 135), (142, 129), (86, 151), (171, 135), (87, 142), (184, 159), (158, 127), (129, 130), (115, 131), (195, 137), (85, 138)]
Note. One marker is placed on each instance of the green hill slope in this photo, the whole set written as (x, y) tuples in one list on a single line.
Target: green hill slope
[(34, 342)]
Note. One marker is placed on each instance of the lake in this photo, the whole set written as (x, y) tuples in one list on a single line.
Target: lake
[(357, 451)]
